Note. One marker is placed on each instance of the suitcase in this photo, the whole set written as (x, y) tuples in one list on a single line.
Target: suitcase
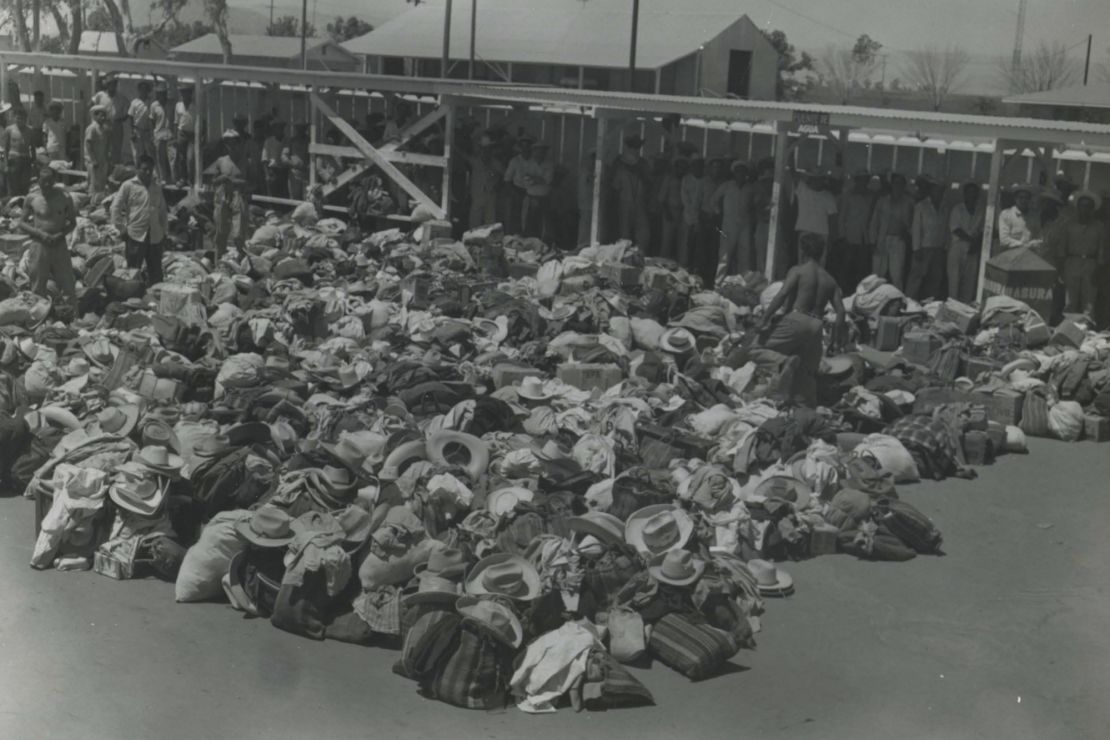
[(888, 335)]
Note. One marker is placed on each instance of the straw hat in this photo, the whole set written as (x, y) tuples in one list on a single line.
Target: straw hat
[(143, 497), (447, 562), (504, 500), (1092, 195), (433, 589), (534, 389), (771, 580), (118, 421), (268, 526), (676, 567), (785, 488), (497, 619), (677, 340), (658, 528), (601, 525), (100, 352), (504, 575), (160, 460)]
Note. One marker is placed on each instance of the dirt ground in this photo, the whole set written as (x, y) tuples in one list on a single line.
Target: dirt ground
[(1004, 637)]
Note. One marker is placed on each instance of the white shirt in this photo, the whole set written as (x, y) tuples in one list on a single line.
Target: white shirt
[(1014, 228), (928, 230), (139, 210), (960, 218), (185, 116), (814, 209)]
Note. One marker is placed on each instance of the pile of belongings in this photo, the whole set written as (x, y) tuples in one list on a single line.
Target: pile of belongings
[(519, 469)]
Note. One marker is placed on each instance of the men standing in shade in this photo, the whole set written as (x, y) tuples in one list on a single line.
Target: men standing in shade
[(160, 125), (117, 104), (96, 153), (670, 202), (1082, 254), (1018, 225), (142, 124), (816, 210), (229, 203), (733, 201), (17, 146), (929, 237), (140, 214), (890, 232), (514, 178), (295, 157), (538, 174), (36, 116), (630, 181), (965, 229), (185, 123), (850, 261), (704, 260), (54, 132), (48, 217), (485, 178), (691, 191)]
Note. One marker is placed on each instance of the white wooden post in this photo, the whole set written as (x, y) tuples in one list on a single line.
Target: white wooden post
[(781, 137), (595, 215), (448, 143), (991, 212), (199, 99)]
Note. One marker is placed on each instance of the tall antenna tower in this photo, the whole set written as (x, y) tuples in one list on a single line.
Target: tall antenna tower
[(1019, 37)]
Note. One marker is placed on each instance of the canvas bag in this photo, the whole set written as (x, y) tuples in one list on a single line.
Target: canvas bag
[(909, 524), (690, 645), (1034, 415), (626, 634), (476, 674)]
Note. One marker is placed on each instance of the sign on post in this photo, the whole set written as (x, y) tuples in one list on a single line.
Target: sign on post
[(810, 122)]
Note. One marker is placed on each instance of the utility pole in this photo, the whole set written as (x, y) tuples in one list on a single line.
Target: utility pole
[(1019, 39), (446, 40), (271, 13), (632, 46), (474, 32), (304, 43), (1087, 64)]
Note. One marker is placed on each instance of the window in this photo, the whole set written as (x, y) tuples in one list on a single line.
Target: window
[(739, 72)]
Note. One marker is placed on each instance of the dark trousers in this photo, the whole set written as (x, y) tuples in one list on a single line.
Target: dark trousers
[(139, 252), (926, 273), (19, 176), (709, 241)]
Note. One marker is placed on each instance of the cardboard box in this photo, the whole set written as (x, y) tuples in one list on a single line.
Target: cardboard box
[(624, 276), (588, 376), (997, 434), (1096, 428), (888, 334), (920, 346), (962, 315), (978, 448), (1070, 333), (506, 374)]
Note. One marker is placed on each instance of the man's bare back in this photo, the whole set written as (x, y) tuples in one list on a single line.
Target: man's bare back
[(813, 289)]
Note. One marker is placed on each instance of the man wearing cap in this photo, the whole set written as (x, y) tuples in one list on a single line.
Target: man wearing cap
[(928, 237), (185, 121), (18, 149), (733, 201), (139, 212), (851, 261), (890, 232), (54, 132), (160, 127), (142, 124), (48, 217), (1082, 254), (117, 104), (1018, 225), (96, 153), (631, 183), (965, 228), (808, 290)]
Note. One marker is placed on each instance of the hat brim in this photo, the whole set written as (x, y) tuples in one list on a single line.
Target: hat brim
[(531, 577), (131, 420), (446, 598), (656, 572), (174, 462), (143, 507), (589, 526), (1094, 197), (634, 528), (243, 529), (802, 493), (783, 586)]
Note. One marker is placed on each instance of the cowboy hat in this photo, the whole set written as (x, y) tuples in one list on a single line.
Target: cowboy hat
[(117, 421), (267, 526), (504, 575), (211, 445), (676, 567), (357, 523), (1022, 187), (448, 562), (158, 433), (434, 589), (100, 351), (534, 389), (77, 366), (601, 525), (677, 340), (1094, 197), (504, 500), (771, 580), (143, 497), (658, 528), (347, 451), (160, 460), (401, 457), (448, 448), (784, 488), (495, 618), (248, 433)]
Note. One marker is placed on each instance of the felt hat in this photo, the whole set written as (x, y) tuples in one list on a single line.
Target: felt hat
[(771, 580), (100, 351), (118, 421), (401, 457), (347, 451), (634, 141), (337, 479), (1092, 195), (504, 500), (434, 589), (1022, 187), (495, 618), (677, 340), (1051, 195), (77, 366), (356, 522), (676, 567), (211, 446), (143, 497), (534, 389), (785, 488), (448, 562), (267, 526), (160, 460), (457, 448), (160, 434), (599, 524), (658, 528), (504, 575), (248, 433)]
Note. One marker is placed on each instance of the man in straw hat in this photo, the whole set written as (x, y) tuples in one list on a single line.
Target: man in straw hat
[(1082, 251), (96, 153), (48, 217), (808, 290)]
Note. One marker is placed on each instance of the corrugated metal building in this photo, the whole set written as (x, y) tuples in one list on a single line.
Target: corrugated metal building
[(1089, 103), (267, 51), (711, 49)]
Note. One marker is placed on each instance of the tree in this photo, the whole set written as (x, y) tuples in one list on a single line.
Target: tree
[(289, 25), (936, 73), (345, 30), (792, 80), (1044, 68), (843, 70), (217, 15)]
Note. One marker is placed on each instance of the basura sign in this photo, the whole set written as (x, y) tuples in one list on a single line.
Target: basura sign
[(810, 122)]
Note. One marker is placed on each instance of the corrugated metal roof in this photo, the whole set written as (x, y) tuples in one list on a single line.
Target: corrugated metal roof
[(277, 47), (567, 32), (1076, 96)]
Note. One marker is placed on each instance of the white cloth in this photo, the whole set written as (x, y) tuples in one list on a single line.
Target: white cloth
[(551, 665)]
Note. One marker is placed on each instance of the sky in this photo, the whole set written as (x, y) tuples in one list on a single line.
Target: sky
[(984, 27)]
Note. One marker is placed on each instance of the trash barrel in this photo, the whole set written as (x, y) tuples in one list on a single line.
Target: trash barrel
[(1023, 275)]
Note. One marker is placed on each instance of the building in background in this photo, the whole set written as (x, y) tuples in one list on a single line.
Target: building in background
[(105, 44), (1090, 103), (268, 51), (711, 49)]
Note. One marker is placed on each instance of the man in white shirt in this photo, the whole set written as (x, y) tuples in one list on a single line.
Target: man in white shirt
[(928, 237), (185, 123), (142, 124), (816, 210), (891, 223), (54, 132), (965, 228), (139, 213), (1018, 226), (96, 153)]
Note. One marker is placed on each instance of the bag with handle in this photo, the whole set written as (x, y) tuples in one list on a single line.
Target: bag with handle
[(626, 634), (689, 645), (909, 524)]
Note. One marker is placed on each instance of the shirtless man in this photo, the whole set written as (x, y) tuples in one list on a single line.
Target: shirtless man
[(48, 217), (808, 290)]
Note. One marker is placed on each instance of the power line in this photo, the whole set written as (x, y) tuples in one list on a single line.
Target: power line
[(811, 19)]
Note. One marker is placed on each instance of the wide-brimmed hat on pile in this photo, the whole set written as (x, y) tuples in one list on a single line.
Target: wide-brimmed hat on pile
[(504, 500), (771, 580), (598, 524), (678, 341), (118, 421), (496, 619), (142, 497), (535, 389), (785, 488), (440, 578), (267, 526), (504, 575), (160, 460), (656, 529), (211, 446), (100, 352), (359, 451), (158, 433), (448, 448), (677, 567), (356, 522)]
